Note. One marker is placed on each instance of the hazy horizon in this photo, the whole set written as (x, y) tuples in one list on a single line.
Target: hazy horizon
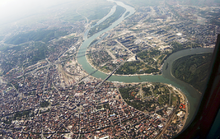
[(12, 10)]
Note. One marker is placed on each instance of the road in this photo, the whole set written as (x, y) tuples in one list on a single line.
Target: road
[(124, 47), (122, 63), (167, 124), (113, 56), (132, 54)]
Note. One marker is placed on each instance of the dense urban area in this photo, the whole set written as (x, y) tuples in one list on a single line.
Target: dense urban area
[(46, 93)]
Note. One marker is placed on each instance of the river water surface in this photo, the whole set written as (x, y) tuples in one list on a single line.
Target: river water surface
[(192, 94)]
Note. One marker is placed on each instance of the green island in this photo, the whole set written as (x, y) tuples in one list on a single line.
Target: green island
[(118, 13), (193, 69), (99, 12), (93, 11), (49, 90)]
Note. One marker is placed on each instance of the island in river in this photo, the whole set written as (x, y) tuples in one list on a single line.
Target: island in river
[(124, 44), (49, 90)]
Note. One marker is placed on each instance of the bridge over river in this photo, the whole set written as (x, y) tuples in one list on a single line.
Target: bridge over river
[(191, 93)]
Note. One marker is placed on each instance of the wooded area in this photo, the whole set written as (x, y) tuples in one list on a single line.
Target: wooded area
[(193, 69)]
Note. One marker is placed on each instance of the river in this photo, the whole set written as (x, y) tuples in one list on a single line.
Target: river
[(192, 94)]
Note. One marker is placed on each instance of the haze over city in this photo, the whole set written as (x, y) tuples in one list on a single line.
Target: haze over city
[(103, 68)]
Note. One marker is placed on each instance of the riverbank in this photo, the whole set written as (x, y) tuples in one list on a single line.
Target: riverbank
[(94, 67), (187, 108), (171, 73), (107, 73), (136, 74), (173, 90), (192, 95)]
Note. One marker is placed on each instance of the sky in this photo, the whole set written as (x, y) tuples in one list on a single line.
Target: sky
[(11, 10)]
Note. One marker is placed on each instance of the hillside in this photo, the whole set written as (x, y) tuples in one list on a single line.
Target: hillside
[(193, 69)]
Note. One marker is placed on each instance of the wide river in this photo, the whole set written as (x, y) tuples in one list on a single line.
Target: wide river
[(192, 94)]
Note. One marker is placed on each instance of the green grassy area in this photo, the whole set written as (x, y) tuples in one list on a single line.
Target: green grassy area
[(193, 69), (108, 67), (153, 96), (147, 91), (163, 99), (135, 67), (99, 58), (128, 95), (26, 113), (174, 100), (44, 104), (151, 57)]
